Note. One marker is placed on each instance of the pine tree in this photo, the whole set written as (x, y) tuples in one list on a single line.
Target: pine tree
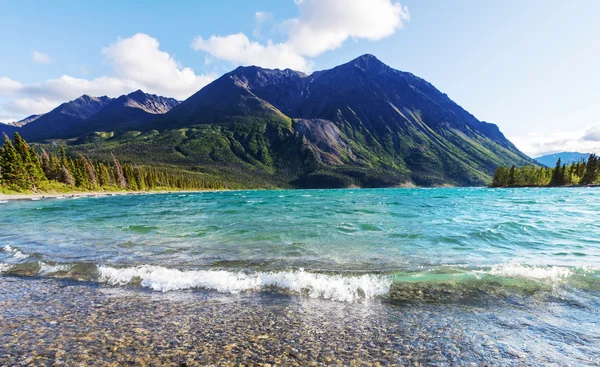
[(14, 173), (556, 174), (119, 176), (92, 180), (512, 176), (31, 162), (591, 171), (65, 176)]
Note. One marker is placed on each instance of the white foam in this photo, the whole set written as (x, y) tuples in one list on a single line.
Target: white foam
[(333, 287), (4, 267), (15, 253), (46, 268), (554, 273), (19, 255)]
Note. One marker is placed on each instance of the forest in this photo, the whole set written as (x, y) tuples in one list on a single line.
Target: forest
[(581, 173), (25, 169)]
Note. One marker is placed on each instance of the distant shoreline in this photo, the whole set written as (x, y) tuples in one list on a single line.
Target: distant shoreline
[(544, 187), (43, 196)]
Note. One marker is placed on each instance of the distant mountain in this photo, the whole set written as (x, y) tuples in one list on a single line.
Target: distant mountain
[(128, 112), (64, 118), (565, 157), (27, 120), (8, 129), (87, 114), (361, 123)]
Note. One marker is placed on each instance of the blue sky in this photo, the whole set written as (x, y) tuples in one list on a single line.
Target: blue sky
[(528, 66)]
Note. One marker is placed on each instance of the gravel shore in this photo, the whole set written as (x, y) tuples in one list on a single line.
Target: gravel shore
[(47, 322)]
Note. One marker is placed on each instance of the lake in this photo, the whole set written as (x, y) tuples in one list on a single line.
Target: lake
[(438, 276)]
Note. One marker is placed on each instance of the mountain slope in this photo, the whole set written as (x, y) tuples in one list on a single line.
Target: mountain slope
[(60, 121), (361, 123), (549, 160), (27, 120), (128, 112), (8, 129), (386, 122)]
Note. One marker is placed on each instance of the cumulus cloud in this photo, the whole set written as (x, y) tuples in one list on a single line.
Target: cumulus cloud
[(6, 118), (138, 63), (592, 133), (261, 17), (30, 106), (8, 86), (139, 59), (40, 57), (584, 141), (322, 25), (238, 49)]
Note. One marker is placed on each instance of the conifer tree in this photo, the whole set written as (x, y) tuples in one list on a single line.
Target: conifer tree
[(65, 176), (556, 174), (591, 171), (118, 171), (14, 173)]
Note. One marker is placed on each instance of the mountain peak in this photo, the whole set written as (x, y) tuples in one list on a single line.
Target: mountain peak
[(367, 57), (138, 94), (367, 62)]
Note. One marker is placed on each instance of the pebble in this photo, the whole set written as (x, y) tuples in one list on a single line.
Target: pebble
[(50, 322)]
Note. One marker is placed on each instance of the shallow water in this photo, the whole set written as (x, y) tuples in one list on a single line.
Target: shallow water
[(534, 254)]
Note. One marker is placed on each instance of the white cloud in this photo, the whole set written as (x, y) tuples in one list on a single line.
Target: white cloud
[(138, 63), (8, 86), (139, 59), (40, 57), (592, 133), (321, 26), (6, 118), (261, 17), (30, 106), (239, 49), (536, 144)]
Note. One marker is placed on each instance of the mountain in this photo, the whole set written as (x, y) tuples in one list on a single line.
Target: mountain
[(362, 123), (27, 120), (86, 115), (64, 118), (128, 112), (550, 160), (8, 129)]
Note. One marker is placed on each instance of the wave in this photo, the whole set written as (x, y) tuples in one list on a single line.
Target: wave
[(16, 253), (434, 285), (314, 285), (553, 273)]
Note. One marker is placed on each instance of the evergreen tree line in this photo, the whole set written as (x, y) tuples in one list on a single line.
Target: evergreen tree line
[(24, 169), (580, 173)]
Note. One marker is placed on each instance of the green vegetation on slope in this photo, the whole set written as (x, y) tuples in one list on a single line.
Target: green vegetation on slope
[(22, 169)]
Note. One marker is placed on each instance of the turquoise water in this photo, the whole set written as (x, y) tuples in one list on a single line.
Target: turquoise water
[(452, 276), (344, 245)]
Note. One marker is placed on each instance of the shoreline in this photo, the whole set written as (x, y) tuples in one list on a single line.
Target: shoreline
[(54, 321), (44, 196)]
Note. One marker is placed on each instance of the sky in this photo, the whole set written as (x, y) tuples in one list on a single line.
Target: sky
[(529, 66)]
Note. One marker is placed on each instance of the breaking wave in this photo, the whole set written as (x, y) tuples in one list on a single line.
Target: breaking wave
[(15, 252), (314, 285), (441, 285)]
